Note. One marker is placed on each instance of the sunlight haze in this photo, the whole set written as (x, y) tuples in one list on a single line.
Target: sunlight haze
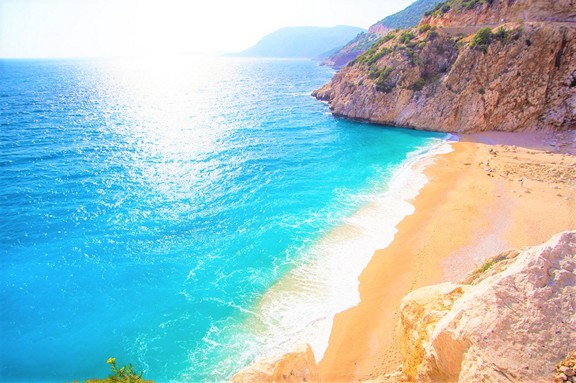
[(83, 28)]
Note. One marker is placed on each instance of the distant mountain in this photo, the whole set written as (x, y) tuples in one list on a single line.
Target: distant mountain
[(407, 18), (302, 42)]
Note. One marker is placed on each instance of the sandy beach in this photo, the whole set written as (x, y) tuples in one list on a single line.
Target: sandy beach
[(493, 192)]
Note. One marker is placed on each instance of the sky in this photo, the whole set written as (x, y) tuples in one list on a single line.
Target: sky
[(88, 28)]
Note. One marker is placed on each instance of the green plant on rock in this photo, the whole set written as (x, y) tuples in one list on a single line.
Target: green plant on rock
[(123, 374), (439, 9), (424, 28), (470, 4), (406, 36), (501, 34), (482, 39), (418, 85), (383, 84), (384, 73)]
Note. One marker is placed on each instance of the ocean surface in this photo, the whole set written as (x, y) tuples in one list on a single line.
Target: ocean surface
[(185, 215)]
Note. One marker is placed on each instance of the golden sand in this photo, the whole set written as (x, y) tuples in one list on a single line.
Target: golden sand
[(482, 198)]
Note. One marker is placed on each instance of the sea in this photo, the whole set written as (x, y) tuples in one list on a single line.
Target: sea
[(185, 215)]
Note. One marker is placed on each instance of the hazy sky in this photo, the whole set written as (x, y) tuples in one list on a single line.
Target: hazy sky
[(57, 28)]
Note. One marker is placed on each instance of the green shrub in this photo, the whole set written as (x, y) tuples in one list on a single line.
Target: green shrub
[(382, 83), (373, 73), (501, 33), (418, 85), (123, 374), (406, 36), (482, 39), (435, 10), (424, 28), (385, 88), (487, 265), (385, 73), (388, 37)]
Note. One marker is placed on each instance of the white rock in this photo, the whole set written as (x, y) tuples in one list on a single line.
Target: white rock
[(507, 320)]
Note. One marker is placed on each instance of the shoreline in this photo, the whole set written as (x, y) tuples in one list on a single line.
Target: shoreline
[(519, 196), (300, 307)]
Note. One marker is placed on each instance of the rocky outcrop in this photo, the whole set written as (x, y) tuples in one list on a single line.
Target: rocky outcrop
[(420, 312), (297, 366), (566, 369), (516, 77), (511, 326)]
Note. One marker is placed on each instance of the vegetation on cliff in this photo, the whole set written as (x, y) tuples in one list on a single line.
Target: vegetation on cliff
[(464, 78), (407, 18), (425, 53), (462, 5)]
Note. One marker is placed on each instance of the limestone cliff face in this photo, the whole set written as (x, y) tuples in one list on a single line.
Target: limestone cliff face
[(511, 326), (521, 77)]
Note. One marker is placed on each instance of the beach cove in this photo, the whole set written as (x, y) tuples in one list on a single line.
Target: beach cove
[(493, 192), (468, 211)]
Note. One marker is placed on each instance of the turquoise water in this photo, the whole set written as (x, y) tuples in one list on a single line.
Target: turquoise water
[(173, 214)]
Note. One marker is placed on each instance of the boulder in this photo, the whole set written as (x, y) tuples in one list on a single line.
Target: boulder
[(515, 325), (298, 366)]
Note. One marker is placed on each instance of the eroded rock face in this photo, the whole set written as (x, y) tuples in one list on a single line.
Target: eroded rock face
[(420, 312), (515, 325), (526, 81), (521, 78), (298, 366)]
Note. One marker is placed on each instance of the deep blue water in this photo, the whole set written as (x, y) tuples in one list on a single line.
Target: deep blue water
[(147, 206)]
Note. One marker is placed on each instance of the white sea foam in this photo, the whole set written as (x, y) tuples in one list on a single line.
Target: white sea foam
[(300, 308)]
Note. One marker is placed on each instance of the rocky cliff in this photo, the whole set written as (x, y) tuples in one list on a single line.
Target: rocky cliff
[(515, 76), (512, 320), (406, 18)]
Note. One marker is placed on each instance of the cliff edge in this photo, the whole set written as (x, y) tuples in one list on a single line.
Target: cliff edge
[(508, 68)]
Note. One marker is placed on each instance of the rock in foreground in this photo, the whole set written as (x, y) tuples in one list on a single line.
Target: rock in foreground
[(512, 326), (513, 320), (297, 366)]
